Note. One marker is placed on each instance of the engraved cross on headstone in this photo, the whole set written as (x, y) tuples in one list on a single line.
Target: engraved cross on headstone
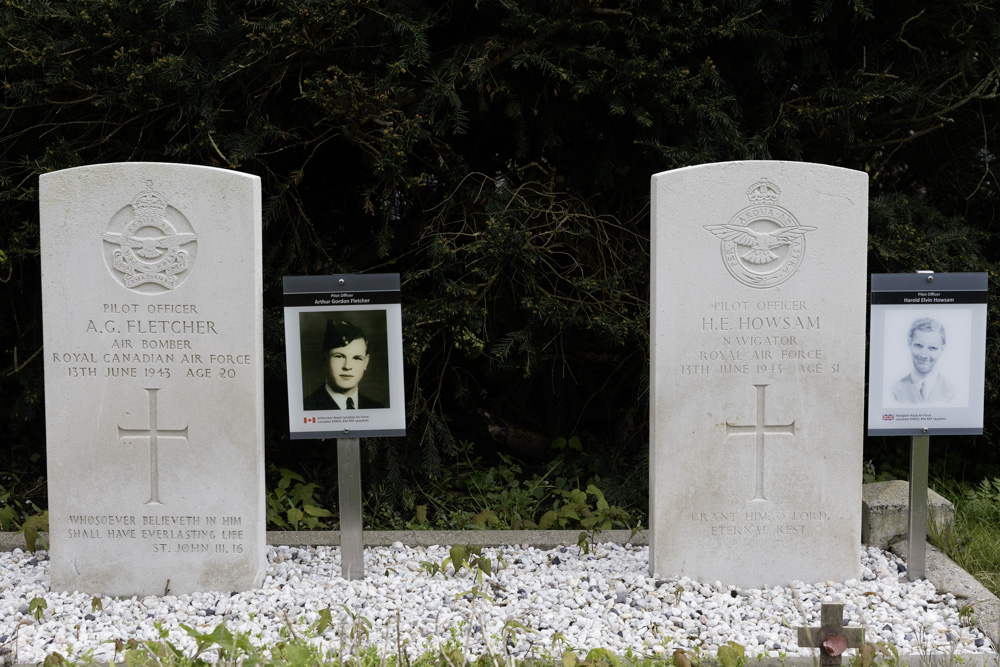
[(129, 436), (760, 429), (831, 638)]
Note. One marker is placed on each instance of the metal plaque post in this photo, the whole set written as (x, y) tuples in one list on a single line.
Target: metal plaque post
[(914, 393), (324, 314), (352, 552), (916, 548)]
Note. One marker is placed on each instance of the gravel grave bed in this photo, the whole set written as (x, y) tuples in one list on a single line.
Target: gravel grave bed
[(602, 599)]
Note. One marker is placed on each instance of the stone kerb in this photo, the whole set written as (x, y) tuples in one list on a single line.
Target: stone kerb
[(885, 513)]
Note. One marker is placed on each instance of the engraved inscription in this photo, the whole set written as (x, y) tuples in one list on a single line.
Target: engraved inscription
[(759, 339), (759, 429), (152, 349), (778, 341), (153, 433), (763, 244), (753, 523), (163, 533)]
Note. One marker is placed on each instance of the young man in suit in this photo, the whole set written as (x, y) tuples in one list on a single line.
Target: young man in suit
[(924, 384), (345, 351)]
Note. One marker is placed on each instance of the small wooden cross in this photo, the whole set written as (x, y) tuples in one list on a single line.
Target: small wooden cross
[(831, 638)]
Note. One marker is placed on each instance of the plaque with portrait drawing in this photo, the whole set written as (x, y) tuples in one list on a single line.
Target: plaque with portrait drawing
[(927, 354)]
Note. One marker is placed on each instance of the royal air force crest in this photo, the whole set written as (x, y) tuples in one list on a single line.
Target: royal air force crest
[(150, 253), (763, 244)]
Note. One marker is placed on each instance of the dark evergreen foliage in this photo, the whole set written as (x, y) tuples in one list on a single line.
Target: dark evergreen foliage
[(497, 154)]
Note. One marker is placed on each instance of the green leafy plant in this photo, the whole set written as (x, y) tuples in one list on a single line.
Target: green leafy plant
[(596, 657), (359, 627), (471, 557), (866, 655), (8, 517), (297, 647), (869, 475), (18, 512), (34, 524), (574, 508), (473, 496), (562, 444), (431, 568), (37, 607), (324, 621), (156, 651), (292, 504), (419, 519), (732, 654), (474, 593), (229, 646), (682, 658), (509, 631), (967, 615), (888, 652)]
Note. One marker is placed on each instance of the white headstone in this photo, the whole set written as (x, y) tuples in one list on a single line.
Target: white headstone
[(757, 388), (152, 286)]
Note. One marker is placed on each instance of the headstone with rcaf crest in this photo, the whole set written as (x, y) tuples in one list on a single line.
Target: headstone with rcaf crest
[(153, 319), (757, 372)]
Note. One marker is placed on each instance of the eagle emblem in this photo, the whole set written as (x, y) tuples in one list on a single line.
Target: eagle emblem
[(760, 243), (763, 244), (149, 250)]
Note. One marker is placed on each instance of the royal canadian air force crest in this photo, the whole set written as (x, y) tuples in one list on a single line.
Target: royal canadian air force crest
[(149, 244), (763, 244)]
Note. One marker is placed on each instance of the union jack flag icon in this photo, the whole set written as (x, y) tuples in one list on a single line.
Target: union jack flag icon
[(887, 417)]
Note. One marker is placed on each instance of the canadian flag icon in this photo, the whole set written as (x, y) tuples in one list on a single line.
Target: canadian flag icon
[(308, 420)]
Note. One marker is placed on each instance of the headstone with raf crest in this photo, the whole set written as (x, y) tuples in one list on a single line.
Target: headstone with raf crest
[(151, 279), (757, 382)]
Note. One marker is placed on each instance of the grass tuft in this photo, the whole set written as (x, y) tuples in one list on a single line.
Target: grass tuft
[(974, 542)]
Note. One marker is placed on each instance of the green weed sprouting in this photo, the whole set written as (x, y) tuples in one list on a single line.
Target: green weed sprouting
[(732, 655), (37, 607), (967, 615), (18, 513), (301, 648), (295, 507), (472, 496)]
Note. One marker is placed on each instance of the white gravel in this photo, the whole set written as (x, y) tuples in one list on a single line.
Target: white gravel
[(603, 599)]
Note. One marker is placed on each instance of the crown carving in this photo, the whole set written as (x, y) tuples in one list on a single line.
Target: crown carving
[(149, 204), (763, 192)]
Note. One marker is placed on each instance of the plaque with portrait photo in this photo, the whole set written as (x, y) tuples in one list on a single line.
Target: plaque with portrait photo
[(927, 354), (344, 353)]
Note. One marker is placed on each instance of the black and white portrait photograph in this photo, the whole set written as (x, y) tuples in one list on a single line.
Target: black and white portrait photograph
[(344, 354), (926, 358), (343, 357)]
